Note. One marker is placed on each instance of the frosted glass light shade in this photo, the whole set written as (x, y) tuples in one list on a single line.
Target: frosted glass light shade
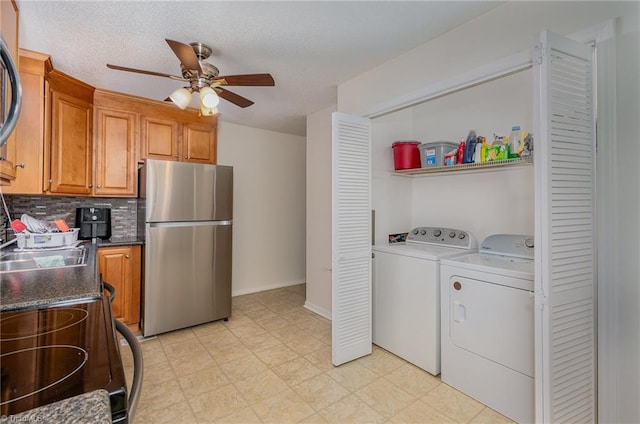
[(181, 97), (208, 111), (208, 97)]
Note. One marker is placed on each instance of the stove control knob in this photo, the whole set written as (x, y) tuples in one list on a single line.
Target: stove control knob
[(415, 232), (461, 236), (452, 234), (423, 232), (437, 233), (529, 242)]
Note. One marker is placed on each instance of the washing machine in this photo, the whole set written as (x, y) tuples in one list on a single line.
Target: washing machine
[(406, 293), (488, 324)]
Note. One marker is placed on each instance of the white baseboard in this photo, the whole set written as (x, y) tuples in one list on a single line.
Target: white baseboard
[(318, 310), (266, 287)]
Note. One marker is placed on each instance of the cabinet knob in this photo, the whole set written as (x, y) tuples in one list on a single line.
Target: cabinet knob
[(90, 185), (99, 185), (126, 256), (175, 156), (186, 157)]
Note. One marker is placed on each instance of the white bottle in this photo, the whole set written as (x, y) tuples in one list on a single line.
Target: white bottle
[(514, 139)]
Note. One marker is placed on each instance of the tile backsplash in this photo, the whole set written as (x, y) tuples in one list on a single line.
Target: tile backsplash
[(123, 211)]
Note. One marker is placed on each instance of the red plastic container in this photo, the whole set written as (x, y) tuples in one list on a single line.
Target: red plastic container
[(406, 155)]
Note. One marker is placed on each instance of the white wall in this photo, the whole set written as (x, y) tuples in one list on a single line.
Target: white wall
[(268, 206), (501, 32), (626, 266), (318, 272), (490, 202)]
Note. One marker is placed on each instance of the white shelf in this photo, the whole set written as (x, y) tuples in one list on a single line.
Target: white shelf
[(468, 167)]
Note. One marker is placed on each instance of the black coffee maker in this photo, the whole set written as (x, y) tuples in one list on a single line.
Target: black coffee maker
[(93, 223)]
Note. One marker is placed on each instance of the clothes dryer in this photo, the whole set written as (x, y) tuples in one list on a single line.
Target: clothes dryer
[(488, 324), (406, 293)]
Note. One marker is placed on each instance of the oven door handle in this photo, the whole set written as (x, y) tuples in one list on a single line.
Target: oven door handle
[(138, 370)]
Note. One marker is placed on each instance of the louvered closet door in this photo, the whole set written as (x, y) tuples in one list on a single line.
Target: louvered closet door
[(351, 238), (564, 127)]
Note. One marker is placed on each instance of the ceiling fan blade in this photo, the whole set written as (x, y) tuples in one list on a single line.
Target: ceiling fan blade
[(247, 79), (234, 98), (186, 55), (141, 71)]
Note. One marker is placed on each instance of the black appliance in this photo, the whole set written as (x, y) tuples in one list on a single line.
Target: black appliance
[(93, 223), (58, 352)]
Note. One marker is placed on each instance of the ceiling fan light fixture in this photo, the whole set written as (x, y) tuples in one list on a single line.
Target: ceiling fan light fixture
[(181, 97), (208, 111), (208, 97)]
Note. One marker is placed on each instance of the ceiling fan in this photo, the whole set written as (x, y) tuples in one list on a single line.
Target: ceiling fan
[(203, 78)]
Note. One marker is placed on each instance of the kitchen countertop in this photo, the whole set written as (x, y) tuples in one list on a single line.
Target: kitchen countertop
[(36, 288), (89, 408), (113, 241)]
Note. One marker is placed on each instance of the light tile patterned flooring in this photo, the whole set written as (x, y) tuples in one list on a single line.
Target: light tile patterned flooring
[(271, 363)]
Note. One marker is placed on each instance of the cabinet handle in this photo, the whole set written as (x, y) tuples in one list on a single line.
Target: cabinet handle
[(20, 165), (175, 156), (99, 186), (126, 256)]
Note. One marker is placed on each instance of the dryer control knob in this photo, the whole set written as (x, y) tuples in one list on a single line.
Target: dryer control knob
[(461, 236), (423, 232), (452, 234), (529, 242), (415, 232), (437, 233)]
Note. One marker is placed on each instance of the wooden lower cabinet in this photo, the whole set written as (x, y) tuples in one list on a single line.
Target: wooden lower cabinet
[(120, 267)]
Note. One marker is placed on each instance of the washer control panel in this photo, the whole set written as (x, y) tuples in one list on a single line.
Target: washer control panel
[(447, 237)]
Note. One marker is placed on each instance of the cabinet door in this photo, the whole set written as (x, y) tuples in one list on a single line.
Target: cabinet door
[(120, 267), (9, 32), (71, 145), (199, 143), (115, 158), (30, 129), (159, 138)]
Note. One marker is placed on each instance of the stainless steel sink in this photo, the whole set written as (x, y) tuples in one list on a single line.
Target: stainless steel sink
[(28, 260)]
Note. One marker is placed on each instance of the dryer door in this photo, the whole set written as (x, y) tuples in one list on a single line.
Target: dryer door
[(493, 321)]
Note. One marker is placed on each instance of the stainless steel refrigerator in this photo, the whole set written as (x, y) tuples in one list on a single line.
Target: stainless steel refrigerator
[(187, 212)]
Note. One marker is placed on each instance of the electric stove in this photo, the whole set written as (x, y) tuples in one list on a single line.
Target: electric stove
[(57, 352)]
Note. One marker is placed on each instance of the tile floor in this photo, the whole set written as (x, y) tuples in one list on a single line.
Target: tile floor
[(271, 363)]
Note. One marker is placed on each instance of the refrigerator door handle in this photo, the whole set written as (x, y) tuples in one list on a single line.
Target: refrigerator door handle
[(189, 223)]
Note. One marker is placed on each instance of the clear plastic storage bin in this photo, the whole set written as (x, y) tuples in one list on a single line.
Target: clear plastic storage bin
[(432, 154)]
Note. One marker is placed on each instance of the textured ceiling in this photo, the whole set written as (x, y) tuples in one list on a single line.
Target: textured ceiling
[(308, 47)]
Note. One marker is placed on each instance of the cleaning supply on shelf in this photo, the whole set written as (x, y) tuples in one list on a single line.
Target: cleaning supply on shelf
[(470, 147), (460, 152), (514, 141), (481, 141)]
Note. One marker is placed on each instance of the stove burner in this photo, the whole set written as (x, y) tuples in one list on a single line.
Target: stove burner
[(45, 321), (64, 361)]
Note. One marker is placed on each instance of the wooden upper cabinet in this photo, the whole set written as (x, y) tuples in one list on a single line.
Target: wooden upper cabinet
[(159, 138), (30, 128), (9, 33), (71, 136), (115, 153), (199, 143)]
